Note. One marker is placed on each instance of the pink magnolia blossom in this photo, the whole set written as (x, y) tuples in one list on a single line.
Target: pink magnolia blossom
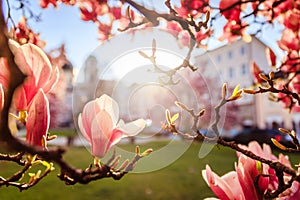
[(100, 126), (24, 34), (90, 10), (292, 193), (232, 14), (34, 63), (292, 20), (232, 30), (38, 120), (45, 3), (182, 11), (247, 171), (116, 12), (240, 184), (104, 31), (225, 187), (271, 12), (184, 39), (290, 62), (193, 7), (285, 99), (289, 40), (295, 84), (174, 28)]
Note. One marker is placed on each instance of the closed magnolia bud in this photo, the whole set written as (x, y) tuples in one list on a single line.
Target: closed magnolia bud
[(224, 91), (168, 117), (137, 150), (249, 91), (283, 130), (263, 77), (143, 54), (271, 75), (147, 152), (278, 144), (181, 105)]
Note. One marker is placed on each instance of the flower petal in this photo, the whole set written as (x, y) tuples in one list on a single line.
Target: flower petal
[(132, 128), (217, 184), (105, 102), (115, 138), (20, 99), (52, 81), (38, 119), (13, 45), (246, 171), (88, 115), (82, 129), (101, 133), (4, 72), (39, 62)]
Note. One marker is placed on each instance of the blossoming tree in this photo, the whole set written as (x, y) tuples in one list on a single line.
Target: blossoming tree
[(26, 76)]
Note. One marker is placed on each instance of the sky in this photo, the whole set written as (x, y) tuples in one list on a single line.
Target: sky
[(63, 25)]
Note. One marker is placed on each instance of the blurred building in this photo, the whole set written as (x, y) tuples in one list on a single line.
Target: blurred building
[(140, 95), (231, 63), (60, 97)]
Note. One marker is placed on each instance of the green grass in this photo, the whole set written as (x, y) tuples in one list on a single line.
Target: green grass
[(180, 180), (64, 132)]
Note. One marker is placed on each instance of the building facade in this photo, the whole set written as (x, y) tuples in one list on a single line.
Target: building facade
[(232, 64)]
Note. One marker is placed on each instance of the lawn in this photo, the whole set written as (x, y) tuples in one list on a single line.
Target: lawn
[(180, 180)]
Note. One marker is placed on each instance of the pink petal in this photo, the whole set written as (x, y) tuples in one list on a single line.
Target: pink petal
[(267, 152), (115, 138), (4, 72), (30, 88), (88, 115), (13, 45), (20, 58), (255, 148), (217, 184), (105, 102), (132, 128), (232, 180), (101, 133), (52, 81), (1, 97), (33, 62), (38, 62), (284, 159), (20, 99), (37, 124), (246, 170), (82, 129)]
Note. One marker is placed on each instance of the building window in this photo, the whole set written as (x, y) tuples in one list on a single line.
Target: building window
[(229, 54), (244, 69), (231, 72), (243, 50)]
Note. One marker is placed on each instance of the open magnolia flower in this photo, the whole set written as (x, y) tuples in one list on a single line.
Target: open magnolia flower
[(34, 63), (29, 98), (240, 184), (99, 124)]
